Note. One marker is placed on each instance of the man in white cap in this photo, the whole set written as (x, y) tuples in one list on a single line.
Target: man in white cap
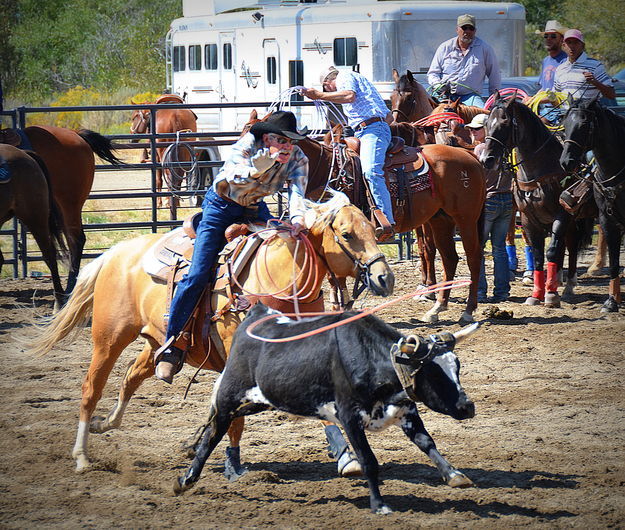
[(463, 62), (497, 214), (554, 37), (581, 76), (369, 116)]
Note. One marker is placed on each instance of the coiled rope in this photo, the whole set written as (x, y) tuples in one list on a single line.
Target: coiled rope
[(176, 170)]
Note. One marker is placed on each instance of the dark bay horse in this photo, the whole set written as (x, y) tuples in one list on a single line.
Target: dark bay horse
[(68, 155), (536, 191), (168, 120), (588, 125), (25, 193), (409, 100)]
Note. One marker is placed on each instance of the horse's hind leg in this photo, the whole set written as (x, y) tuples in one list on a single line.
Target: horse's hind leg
[(427, 256), (614, 238), (108, 346), (137, 372), (602, 250)]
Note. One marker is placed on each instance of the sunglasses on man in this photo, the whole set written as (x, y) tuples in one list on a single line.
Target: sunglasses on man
[(550, 35), (282, 140), (467, 27)]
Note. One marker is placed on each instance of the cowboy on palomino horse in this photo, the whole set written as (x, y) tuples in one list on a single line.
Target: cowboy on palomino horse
[(368, 115), (259, 165)]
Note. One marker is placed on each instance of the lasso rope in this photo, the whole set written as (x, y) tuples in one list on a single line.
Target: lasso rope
[(433, 288), (506, 93), (547, 96), (175, 170), (437, 119)]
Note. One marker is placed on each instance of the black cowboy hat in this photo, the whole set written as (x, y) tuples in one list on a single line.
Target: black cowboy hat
[(281, 122)]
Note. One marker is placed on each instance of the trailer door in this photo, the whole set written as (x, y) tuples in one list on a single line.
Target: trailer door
[(227, 78), (272, 79)]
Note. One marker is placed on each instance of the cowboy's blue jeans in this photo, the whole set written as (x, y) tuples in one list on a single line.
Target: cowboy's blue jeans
[(374, 141), (217, 215), (497, 214), (469, 99)]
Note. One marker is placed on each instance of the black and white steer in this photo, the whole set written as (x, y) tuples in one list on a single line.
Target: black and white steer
[(363, 375)]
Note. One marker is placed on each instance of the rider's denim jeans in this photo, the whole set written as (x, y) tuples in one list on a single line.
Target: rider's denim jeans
[(469, 99), (217, 215), (374, 141), (497, 214)]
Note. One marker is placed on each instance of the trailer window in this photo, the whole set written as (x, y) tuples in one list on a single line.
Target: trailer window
[(210, 56), (346, 52), (195, 57), (296, 77), (179, 55), (272, 70), (227, 56)]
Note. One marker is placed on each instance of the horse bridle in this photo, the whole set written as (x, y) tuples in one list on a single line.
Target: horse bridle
[(362, 267), (144, 119), (591, 128), (413, 105)]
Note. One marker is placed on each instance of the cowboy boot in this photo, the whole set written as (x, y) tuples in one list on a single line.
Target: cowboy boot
[(384, 229), (169, 360)]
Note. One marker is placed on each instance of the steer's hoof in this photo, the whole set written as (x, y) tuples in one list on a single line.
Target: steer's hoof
[(348, 465), (532, 301), (459, 480), (233, 470), (552, 300), (383, 510), (179, 489), (610, 306)]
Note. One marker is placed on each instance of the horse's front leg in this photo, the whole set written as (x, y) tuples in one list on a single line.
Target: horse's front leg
[(412, 425), (427, 257), (555, 258), (340, 299), (614, 237), (536, 237)]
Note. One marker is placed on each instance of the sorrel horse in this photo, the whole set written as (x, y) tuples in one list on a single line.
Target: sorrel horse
[(588, 125), (451, 131), (68, 155), (409, 100), (537, 190), (172, 158), (27, 196), (124, 302)]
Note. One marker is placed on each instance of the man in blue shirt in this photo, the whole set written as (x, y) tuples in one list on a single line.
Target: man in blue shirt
[(463, 63), (369, 116), (554, 38)]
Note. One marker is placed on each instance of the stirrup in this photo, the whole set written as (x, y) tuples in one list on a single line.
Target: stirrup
[(384, 233)]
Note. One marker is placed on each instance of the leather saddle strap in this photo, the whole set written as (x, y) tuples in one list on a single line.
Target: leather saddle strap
[(171, 284)]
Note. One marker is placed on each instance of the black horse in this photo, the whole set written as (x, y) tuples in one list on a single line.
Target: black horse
[(537, 188), (588, 125)]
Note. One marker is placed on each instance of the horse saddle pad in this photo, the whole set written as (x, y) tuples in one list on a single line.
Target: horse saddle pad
[(406, 172), (172, 254), (5, 173)]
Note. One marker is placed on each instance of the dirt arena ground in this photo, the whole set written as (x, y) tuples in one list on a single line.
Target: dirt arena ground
[(544, 450)]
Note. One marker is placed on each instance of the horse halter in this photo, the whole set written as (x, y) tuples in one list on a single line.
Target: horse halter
[(409, 355), (144, 123), (413, 104)]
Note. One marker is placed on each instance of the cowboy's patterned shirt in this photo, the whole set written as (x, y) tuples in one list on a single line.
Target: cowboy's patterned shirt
[(548, 70), (569, 77), (368, 102), (247, 190)]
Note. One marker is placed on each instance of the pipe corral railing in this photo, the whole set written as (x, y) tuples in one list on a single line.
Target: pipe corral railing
[(103, 220)]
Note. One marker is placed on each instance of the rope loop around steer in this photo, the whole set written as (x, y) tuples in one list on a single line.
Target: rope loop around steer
[(450, 284)]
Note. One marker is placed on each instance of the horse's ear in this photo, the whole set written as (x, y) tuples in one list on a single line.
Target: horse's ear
[(570, 100), (395, 75), (253, 115), (455, 104), (497, 96), (409, 76), (595, 99)]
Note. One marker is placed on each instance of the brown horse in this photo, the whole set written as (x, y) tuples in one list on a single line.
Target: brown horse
[(451, 131), (124, 302), (68, 155), (27, 196), (458, 192), (173, 159), (409, 100)]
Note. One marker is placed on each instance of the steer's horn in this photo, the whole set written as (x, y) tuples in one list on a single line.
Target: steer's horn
[(466, 331)]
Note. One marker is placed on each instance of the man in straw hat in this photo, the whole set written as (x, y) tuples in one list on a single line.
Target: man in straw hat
[(369, 116), (463, 62), (259, 164), (554, 38), (581, 76)]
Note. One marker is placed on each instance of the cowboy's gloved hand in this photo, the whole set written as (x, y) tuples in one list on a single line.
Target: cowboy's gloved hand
[(263, 160), (297, 229)]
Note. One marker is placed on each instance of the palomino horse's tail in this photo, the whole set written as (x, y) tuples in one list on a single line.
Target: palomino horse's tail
[(71, 319), (100, 145)]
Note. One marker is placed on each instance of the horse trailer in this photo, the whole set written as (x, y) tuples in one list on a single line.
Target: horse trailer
[(257, 50)]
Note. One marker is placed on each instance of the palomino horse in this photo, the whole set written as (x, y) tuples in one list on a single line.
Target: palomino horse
[(167, 121), (68, 155), (27, 196), (124, 302), (536, 192), (588, 125)]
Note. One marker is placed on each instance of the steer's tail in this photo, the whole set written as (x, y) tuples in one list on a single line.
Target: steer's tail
[(70, 320)]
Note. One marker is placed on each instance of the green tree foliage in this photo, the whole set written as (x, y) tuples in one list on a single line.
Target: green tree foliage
[(60, 44)]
